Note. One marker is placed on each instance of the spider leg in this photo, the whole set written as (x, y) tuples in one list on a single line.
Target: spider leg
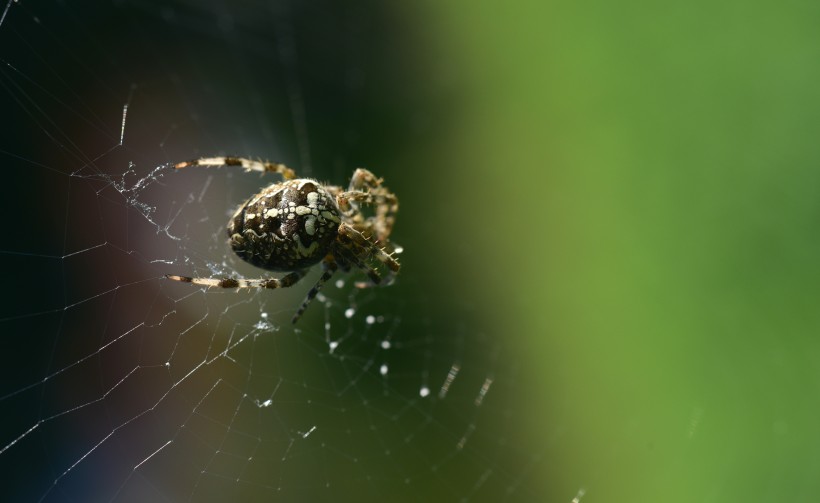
[(349, 235), (364, 179), (366, 188), (385, 203), (329, 267), (285, 281), (345, 198), (248, 164), (375, 278)]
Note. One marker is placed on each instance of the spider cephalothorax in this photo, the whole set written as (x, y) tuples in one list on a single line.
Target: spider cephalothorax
[(297, 223)]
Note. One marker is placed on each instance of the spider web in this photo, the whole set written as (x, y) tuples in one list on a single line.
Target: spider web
[(119, 385)]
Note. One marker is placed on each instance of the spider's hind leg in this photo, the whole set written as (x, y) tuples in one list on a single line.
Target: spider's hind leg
[(285, 281), (248, 164), (357, 249)]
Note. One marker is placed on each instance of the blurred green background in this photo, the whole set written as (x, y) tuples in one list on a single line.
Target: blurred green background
[(640, 181)]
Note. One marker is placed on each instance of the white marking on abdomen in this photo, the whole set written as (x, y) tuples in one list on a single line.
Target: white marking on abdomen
[(310, 225)]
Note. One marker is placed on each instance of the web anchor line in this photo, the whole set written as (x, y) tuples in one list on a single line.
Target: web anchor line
[(5, 11), (124, 115)]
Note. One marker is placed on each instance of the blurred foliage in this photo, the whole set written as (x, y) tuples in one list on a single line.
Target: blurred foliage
[(643, 190)]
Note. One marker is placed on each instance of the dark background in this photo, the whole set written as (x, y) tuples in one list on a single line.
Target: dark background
[(108, 363)]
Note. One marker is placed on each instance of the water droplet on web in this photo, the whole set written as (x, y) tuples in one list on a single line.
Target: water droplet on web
[(349, 312), (424, 391), (383, 369), (370, 319)]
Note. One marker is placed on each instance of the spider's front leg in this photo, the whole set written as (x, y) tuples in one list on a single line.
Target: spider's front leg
[(363, 180), (363, 246), (248, 164), (372, 198), (357, 249), (365, 188)]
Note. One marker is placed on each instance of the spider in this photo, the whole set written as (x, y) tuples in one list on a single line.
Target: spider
[(295, 224)]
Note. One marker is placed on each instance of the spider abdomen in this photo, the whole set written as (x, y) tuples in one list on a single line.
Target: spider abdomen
[(288, 226)]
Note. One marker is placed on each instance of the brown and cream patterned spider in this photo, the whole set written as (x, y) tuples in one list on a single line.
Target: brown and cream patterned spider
[(293, 225)]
